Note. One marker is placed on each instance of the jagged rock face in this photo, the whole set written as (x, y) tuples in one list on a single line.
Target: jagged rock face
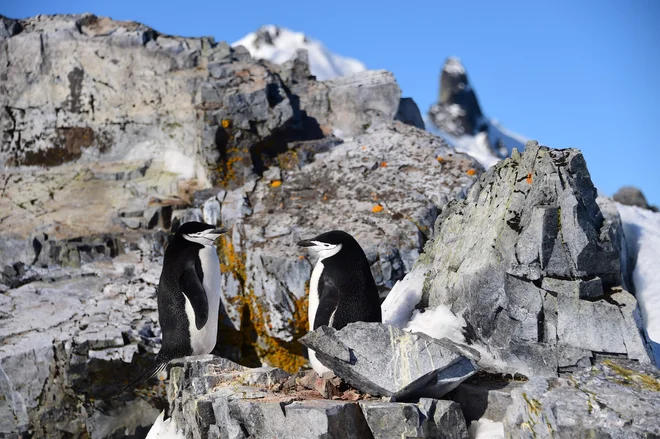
[(69, 338), (384, 188), (614, 399), (409, 114), (535, 267), (457, 111), (212, 397)]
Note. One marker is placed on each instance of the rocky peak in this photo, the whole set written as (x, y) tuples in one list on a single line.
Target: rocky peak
[(457, 111)]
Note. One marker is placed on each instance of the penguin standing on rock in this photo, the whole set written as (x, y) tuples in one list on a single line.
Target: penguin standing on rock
[(342, 289), (188, 296)]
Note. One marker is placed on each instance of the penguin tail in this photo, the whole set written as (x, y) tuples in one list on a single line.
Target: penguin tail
[(150, 372)]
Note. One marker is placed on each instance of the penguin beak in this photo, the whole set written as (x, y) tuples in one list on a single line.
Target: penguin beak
[(213, 234), (306, 243)]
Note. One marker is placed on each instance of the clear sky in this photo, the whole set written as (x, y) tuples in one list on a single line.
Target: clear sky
[(578, 74)]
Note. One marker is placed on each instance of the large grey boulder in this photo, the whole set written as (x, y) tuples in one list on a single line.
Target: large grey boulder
[(384, 360), (534, 267), (427, 418), (348, 105), (613, 399)]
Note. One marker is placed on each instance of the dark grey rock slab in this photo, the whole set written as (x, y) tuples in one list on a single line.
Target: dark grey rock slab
[(384, 360), (429, 418)]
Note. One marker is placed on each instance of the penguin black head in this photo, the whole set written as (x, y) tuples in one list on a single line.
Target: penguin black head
[(199, 233), (330, 243)]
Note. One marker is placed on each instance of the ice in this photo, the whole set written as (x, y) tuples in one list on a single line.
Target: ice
[(486, 429)]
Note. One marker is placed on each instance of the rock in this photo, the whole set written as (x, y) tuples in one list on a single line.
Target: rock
[(409, 114), (349, 105), (534, 266), (69, 342), (384, 360), (429, 418), (296, 70), (484, 398), (457, 111), (211, 395), (615, 398), (632, 196), (384, 188)]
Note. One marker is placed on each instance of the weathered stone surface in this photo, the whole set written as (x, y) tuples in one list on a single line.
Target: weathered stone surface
[(484, 398), (69, 338), (613, 399), (215, 396), (409, 114), (384, 360), (429, 418), (349, 105), (384, 188), (535, 266)]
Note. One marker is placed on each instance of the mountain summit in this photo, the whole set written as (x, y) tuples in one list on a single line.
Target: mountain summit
[(458, 118), (278, 44)]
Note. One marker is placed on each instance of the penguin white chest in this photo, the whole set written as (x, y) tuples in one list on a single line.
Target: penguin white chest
[(203, 340), (314, 294)]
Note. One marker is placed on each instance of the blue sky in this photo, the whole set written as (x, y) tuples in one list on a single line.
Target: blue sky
[(578, 74)]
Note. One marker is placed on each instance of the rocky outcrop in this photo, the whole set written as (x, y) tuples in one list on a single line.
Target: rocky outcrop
[(69, 338), (384, 360), (534, 267), (457, 111), (384, 187), (112, 135), (632, 196), (613, 399), (213, 397)]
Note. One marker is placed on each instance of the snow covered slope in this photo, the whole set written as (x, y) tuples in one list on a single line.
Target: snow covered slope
[(278, 45), (642, 230)]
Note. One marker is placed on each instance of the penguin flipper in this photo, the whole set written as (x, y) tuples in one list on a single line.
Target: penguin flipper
[(191, 285), (149, 373), (328, 303)]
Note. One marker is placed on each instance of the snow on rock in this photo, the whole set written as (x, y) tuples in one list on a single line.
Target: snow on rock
[(438, 322), (165, 429), (397, 309), (642, 230), (278, 45), (486, 429)]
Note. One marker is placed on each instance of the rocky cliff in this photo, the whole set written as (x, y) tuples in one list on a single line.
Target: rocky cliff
[(113, 134)]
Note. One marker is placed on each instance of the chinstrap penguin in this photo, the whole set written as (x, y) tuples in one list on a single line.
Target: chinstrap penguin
[(188, 296), (342, 289)]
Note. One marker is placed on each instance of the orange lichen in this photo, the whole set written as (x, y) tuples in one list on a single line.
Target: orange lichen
[(226, 123), (377, 208), (383, 164), (276, 183), (529, 178), (471, 172), (253, 338), (440, 159)]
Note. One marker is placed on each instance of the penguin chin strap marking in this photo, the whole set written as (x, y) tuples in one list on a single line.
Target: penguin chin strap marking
[(201, 238), (325, 250)]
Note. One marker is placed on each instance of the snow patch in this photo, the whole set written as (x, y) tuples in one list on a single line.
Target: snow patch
[(454, 67), (642, 230), (165, 429), (398, 306), (438, 322), (484, 428), (282, 44)]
